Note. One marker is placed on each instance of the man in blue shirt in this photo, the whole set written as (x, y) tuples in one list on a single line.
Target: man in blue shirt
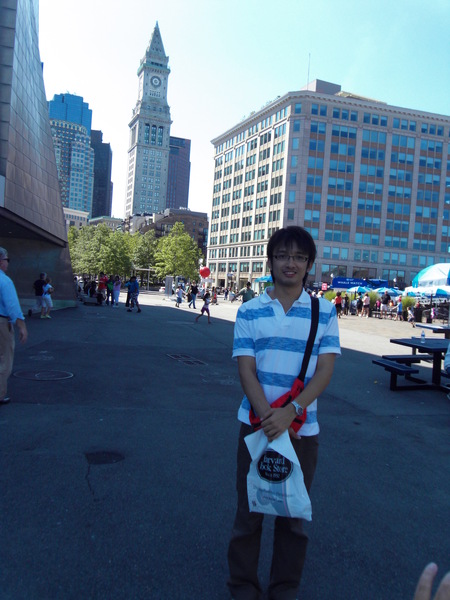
[(10, 315)]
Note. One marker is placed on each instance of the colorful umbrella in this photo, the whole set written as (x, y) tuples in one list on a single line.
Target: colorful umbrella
[(390, 291), (438, 275), (440, 293), (358, 289)]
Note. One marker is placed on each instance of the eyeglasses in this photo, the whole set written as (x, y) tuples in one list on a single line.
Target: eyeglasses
[(7, 259), (297, 258)]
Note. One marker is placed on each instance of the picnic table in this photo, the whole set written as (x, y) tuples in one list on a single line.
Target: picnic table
[(429, 349), (445, 329)]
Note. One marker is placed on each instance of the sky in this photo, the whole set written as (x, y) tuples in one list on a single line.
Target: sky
[(230, 57)]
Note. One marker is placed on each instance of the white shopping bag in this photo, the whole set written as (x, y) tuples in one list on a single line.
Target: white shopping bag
[(275, 483)]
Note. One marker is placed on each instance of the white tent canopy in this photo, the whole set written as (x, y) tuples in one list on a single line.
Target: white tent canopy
[(428, 290)]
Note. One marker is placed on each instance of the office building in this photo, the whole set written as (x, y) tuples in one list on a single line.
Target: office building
[(103, 187), (369, 181), (148, 154), (195, 224), (32, 225), (70, 121), (71, 108), (179, 173), (112, 222), (134, 223), (75, 218)]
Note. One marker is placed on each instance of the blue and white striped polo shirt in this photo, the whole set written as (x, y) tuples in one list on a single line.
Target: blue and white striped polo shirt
[(277, 341)]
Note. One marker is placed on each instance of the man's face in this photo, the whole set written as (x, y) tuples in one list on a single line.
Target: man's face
[(288, 265), (4, 263)]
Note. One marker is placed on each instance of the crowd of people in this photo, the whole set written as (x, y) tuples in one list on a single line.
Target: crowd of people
[(107, 290)]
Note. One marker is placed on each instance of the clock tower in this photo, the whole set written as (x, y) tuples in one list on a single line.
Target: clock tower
[(148, 150)]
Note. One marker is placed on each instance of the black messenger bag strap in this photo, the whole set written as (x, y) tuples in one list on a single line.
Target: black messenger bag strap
[(311, 338)]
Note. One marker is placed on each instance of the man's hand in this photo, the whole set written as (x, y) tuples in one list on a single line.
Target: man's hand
[(277, 420), (23, 332), (423, 590)]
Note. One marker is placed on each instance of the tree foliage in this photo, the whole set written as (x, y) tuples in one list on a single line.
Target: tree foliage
[(177, 254), (97, 248), (145, 249)]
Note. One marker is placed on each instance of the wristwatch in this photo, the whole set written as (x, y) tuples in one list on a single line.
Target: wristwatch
[(298, 408)]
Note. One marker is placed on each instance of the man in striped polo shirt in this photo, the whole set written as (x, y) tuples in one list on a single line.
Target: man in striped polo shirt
[(270, 337)]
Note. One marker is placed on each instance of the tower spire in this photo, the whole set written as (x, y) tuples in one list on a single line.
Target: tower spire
[(155, 54)]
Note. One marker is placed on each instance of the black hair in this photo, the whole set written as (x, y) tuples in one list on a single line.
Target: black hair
[(293, 235)]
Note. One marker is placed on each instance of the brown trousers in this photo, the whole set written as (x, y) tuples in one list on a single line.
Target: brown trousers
[(7, 342), (290, 541)]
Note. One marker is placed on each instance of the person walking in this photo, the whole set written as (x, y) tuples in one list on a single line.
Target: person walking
[(133, 288), (411, 317), (193, 292), (385, 299), (205, 308), (37, 287), (47, 303), (247, 293), (345, 304), (269, 342), (110, 290), (102, 281), (359, 306), (338, 303), (366, 305), (10, 315), (116, 291)]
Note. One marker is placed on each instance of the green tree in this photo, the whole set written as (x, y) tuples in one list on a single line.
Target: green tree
[(144, 250), (80, 248), (115, 254), (94, 249), (177, 254)]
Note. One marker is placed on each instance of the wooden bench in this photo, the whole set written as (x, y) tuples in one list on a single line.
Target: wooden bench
[(396, 369), (408, 359)]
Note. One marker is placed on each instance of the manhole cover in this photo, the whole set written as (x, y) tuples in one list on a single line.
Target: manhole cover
[(43, 375), (103, 457)]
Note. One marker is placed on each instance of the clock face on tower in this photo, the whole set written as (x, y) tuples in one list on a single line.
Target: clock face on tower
[(155, 81)]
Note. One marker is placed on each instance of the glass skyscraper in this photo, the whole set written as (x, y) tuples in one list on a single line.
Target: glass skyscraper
[(103, 187), (70, 120), (179, 173)]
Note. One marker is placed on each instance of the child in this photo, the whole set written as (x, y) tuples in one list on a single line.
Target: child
[(179, 296), (399, 310), (47, 304), (411, 316), (205, 307)]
